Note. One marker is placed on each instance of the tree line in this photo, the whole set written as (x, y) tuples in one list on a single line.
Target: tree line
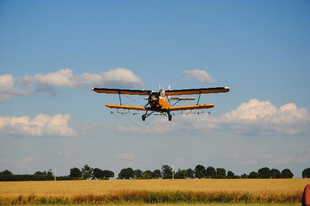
[(200, 172), (166, 172), (7, 175)]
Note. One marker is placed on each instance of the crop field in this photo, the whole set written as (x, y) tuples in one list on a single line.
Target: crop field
[(160, 192)]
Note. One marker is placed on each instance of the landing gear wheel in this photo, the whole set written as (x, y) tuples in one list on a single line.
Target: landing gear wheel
[(143, 117), (169, 117)]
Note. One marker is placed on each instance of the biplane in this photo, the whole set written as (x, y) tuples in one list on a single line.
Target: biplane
[(161, 101)]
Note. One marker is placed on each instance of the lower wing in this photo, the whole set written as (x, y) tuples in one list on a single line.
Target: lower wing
[(114, 106), (190, 107)]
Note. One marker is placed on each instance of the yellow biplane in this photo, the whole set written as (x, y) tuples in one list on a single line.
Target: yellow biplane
[(161, 101)]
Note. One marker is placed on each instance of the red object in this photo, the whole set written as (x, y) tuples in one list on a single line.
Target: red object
[(306, 196)]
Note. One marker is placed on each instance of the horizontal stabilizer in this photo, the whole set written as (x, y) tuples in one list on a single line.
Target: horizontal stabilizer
[(190, 107)]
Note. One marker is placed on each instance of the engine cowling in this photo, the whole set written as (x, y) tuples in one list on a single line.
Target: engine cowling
[(154, 99)]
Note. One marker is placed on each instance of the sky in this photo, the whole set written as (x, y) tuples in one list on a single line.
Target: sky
[(53, 52)]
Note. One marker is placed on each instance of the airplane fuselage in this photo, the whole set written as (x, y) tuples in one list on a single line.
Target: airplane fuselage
[(158, 101)]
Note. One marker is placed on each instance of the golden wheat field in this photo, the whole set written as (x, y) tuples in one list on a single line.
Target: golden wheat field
[(214, 191)]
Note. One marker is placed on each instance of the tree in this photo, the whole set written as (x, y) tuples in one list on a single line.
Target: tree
[(75, 173), (7, 173), (275, 173), (126, 173), (166, 172), (50, 174), (210, 172), (230, 175), (286, 173), (190, 173), (264, 173), (253, 175), (244, 176), (86, 172), (200, 171), (220, 173), (38, 174), (137, 174), (147, 174), (97, 173), (181, 174), (106, 174), (42, 175), (306, 173), (156, 174)]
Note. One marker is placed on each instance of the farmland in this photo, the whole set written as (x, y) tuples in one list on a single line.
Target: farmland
[(258, 191)]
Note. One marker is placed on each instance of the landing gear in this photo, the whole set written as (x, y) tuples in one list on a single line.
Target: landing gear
[(146, 115), (143, 117), (169, 117)]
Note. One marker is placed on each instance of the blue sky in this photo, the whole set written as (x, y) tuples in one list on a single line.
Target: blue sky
[(53, 52)]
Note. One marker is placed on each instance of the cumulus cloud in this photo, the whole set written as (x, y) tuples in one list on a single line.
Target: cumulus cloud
[(126, 156), (41, 125), (17, 164), (266, 118), (16, 86), (122, 77), (199, 75), (252, 117), (67, 78), (9, 89)]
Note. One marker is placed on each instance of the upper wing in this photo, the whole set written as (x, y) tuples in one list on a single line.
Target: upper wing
[(197, 91), (190, 107), (114, 106), (121, 91), (183, 99)]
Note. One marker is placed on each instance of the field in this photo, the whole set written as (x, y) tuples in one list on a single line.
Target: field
[(141, 192)]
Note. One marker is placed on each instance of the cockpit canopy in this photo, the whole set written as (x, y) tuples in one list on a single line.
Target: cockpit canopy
[(162, 92)]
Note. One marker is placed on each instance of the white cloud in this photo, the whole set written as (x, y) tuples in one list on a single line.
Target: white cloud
[(9, 89), (126, 156), (263, 117), (67, 78), (62, 78), (22, 164), (199, 75), (253, 117), (122, 77), (14, 86), (41, 125)]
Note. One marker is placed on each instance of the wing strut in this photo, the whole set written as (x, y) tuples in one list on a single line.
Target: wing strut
[(120, 99), (198, 98), (176, 102)]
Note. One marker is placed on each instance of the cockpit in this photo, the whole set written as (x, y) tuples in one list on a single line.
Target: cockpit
[(162, 92)]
